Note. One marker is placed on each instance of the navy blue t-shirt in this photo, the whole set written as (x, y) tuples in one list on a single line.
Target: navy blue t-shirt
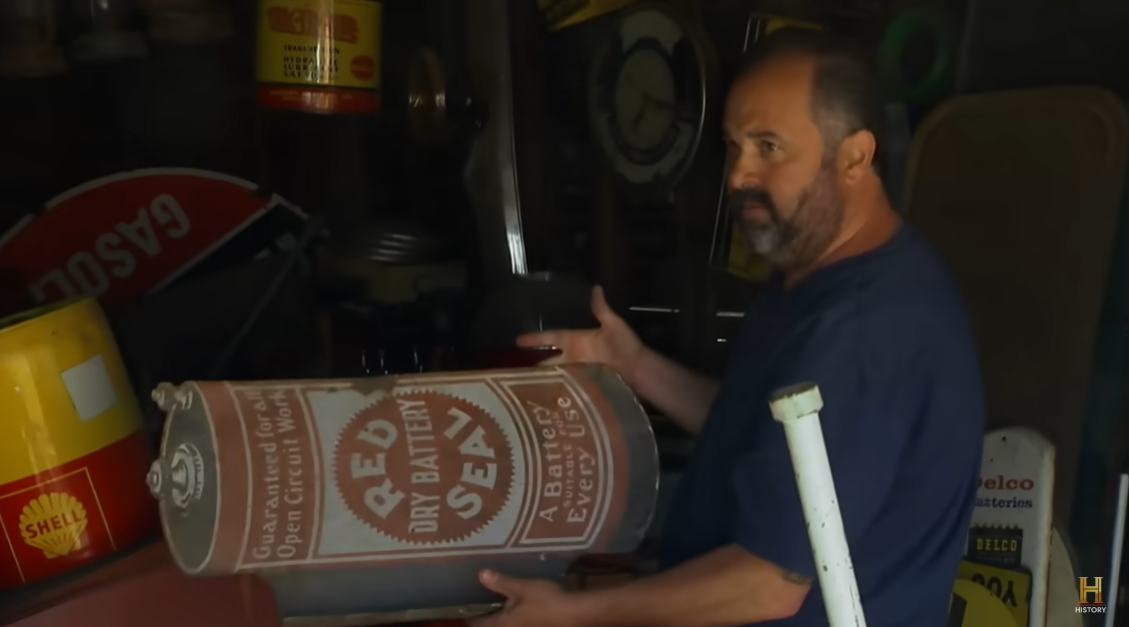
[(886, 337)]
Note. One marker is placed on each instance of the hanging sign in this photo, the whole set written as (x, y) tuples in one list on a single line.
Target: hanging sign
[(1011, 524), (122, 236)]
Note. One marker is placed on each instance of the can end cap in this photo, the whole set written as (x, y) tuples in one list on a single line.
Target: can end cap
[(155, 478), (795, 402), (169, 397)]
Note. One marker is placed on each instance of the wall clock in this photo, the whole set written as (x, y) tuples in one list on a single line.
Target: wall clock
[(647, 95)]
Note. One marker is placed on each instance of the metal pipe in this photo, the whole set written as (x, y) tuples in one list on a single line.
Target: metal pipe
[(797, 408), (675, 310), (1118, 547), (313, 227)]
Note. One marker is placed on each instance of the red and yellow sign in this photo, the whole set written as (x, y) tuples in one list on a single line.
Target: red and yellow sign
[(72, 454), (320, 55), (1011, 587)]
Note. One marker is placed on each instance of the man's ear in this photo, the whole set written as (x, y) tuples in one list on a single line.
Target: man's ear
[(856, 155)]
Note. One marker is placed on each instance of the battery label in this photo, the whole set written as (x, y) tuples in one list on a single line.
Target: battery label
[(428, 467)]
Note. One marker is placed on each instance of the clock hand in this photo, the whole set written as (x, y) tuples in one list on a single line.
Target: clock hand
[(679, 111), (639, 116), (660, 103)]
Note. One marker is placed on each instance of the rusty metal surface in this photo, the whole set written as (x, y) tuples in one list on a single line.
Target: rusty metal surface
[(388, 494), (395, 618)]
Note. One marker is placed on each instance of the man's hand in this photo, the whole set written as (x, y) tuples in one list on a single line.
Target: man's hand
[(529, 603), (725, 587), (682, 395), (613, 343)]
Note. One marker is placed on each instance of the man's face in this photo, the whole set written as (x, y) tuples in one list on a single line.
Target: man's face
[(782, 184)]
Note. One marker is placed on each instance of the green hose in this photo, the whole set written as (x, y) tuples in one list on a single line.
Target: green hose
[(938, 80)]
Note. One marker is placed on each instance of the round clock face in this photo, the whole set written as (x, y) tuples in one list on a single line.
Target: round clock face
[(644, 100), (647, 97)]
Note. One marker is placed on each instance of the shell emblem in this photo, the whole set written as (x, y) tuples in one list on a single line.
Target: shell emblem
[(54, 523)]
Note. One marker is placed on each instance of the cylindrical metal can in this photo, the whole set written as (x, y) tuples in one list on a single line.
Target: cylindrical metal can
[(73, 455), (384, 496), (319, 56)]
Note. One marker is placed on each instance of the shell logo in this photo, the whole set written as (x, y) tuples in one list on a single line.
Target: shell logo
[(54, 523)]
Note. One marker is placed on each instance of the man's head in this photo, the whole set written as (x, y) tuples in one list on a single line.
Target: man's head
[(802, 126)]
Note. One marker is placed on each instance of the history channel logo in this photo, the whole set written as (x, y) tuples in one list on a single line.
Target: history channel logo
[(1097, 607)]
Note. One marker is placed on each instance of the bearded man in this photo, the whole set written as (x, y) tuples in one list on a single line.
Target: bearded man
[(860, 305)]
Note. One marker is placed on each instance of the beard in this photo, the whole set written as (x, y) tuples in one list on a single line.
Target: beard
[(796, 242)]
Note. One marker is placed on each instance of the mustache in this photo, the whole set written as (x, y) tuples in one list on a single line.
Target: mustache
[(753, 195)]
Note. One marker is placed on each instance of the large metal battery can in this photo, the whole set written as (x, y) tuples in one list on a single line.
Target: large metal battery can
[(379, 499)]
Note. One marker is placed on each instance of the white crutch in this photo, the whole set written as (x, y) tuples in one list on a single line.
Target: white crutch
[(797, 408)]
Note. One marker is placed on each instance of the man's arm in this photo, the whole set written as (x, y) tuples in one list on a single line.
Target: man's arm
[(681, 394), (726, 587)]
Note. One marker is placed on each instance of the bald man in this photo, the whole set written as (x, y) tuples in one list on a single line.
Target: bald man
[(860, 305)]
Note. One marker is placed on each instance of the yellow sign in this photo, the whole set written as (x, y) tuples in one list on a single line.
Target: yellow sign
[(331, 43), (1011, 587), (745, 262), (53, 523), (775, 23), (971, 605), (561, 13)]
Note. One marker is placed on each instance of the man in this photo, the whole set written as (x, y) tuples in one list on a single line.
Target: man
[(859, 305)]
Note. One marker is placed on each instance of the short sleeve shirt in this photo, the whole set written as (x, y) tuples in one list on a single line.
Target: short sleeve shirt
[(886, 338)]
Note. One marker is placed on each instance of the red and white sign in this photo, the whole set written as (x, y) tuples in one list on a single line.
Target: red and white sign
[(122, 236), (1016, 491), (1000, 482)]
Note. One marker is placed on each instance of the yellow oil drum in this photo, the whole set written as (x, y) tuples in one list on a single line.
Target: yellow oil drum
[(73, 455)]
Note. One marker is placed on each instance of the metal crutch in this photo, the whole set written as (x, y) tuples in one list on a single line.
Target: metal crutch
[(797, 408)]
